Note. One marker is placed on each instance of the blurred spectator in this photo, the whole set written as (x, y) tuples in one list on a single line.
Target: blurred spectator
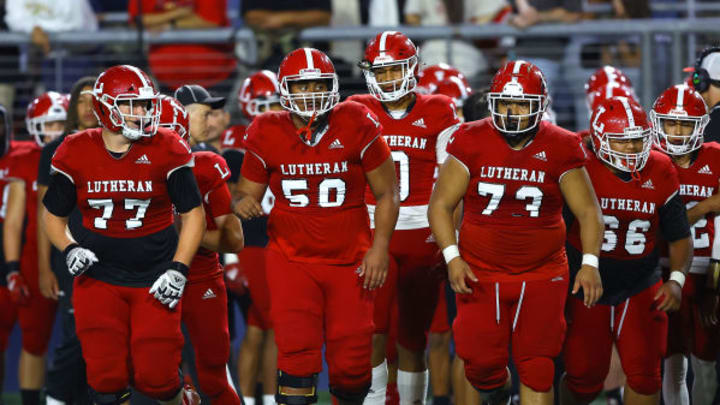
[(468, 59), (708, 85), (276, 24), (547, 53), (175, 65), (109, 6), (346, 13), (382, 13)]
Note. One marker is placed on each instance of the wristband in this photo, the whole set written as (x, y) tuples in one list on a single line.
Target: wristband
[(450, 253), (713, 275), (69, 248), (181, 267), (13, 266), (591, 260), (678, 277)]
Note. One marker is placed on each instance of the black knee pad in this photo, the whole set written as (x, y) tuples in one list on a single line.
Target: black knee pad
[(292, 381), (497, 396), (114, 398), (356, 397)]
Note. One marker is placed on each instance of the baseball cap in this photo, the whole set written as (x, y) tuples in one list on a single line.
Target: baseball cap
[(196, 94), (711, 63)]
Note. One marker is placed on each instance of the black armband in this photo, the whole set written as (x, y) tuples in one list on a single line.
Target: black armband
[(61, 197), (674, 223), (13, 266), (183, 190), (181, 267)]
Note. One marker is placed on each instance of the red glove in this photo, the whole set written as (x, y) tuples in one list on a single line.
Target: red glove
[(235, 279), (19, 292)]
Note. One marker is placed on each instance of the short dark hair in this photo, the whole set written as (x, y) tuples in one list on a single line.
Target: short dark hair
[(476, 106), (71, 124)]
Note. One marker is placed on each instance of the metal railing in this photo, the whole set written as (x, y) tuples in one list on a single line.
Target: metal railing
[(676, 34)]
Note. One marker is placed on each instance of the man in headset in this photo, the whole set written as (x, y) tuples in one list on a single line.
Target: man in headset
[(706, 80)]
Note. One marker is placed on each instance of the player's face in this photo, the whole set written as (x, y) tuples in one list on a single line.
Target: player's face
[(198, 122), (217, 121), (632, 145), (133, 110), (507, 107), (86, 119), (387, 75), (307, 87), (678, 130)]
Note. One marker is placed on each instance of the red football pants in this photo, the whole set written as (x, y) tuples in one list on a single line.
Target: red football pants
[(312, 304), (639, 331), (252, 260), (127, 335), (8, 317), (529, 316), (686, 333)]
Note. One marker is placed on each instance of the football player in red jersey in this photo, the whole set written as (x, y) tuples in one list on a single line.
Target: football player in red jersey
[(258, 353), (125, 178), (322, 262), (45, 119), (260, 92), (204, 309), (679, 117), (416, 127), (638, 193), (8, 315), (514, 172)]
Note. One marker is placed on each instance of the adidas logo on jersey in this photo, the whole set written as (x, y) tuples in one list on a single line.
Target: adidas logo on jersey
[(420, 123), (648, 184), (541, 156), (705, 170), (208, 294), (336, 145), (143, 160)]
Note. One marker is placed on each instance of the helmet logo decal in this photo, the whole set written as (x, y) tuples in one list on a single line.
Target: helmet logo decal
[(598, 127)]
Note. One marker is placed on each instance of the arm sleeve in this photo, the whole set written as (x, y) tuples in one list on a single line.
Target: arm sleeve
[(219, 201), (234, 159), (673, 219), (43, 175), (183, 190), (61, 196)]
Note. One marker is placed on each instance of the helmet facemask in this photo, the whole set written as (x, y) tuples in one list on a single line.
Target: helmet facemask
[(36, 127), (147, 123), (511, 124), (678, 145), (624, 161), (307, 104), (260, 105), (399, 87)]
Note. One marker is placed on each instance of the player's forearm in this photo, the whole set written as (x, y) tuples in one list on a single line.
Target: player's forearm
[(442, 224), (680, 254), (13, 224), (194, 21), (227, 239), (191, 234), (697, 212), (55, 229), (43, 242), (591, 230), (386, 215), (155, 19)]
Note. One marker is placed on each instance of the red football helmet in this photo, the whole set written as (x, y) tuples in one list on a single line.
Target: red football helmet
[(126, 84), (306, 64), (50, 107), (454, 88), (388, 49), (428, 78), (605, 75), (518, 81), (174, 116), (612, 89), (620, 119), (681, 105), (258, 92)]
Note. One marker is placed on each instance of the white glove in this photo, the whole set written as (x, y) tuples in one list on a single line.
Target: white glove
[(168, 288), (79, 259)]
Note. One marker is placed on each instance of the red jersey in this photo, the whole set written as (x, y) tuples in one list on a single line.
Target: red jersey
[(417, 148), (631, 209), (698, 182), (125, 197), (211, 172), (232, 138), (512, 222), (319, 214), (10, 160)]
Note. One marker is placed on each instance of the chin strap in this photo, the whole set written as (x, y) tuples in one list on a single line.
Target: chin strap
[(635, 175), (305, 133)]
